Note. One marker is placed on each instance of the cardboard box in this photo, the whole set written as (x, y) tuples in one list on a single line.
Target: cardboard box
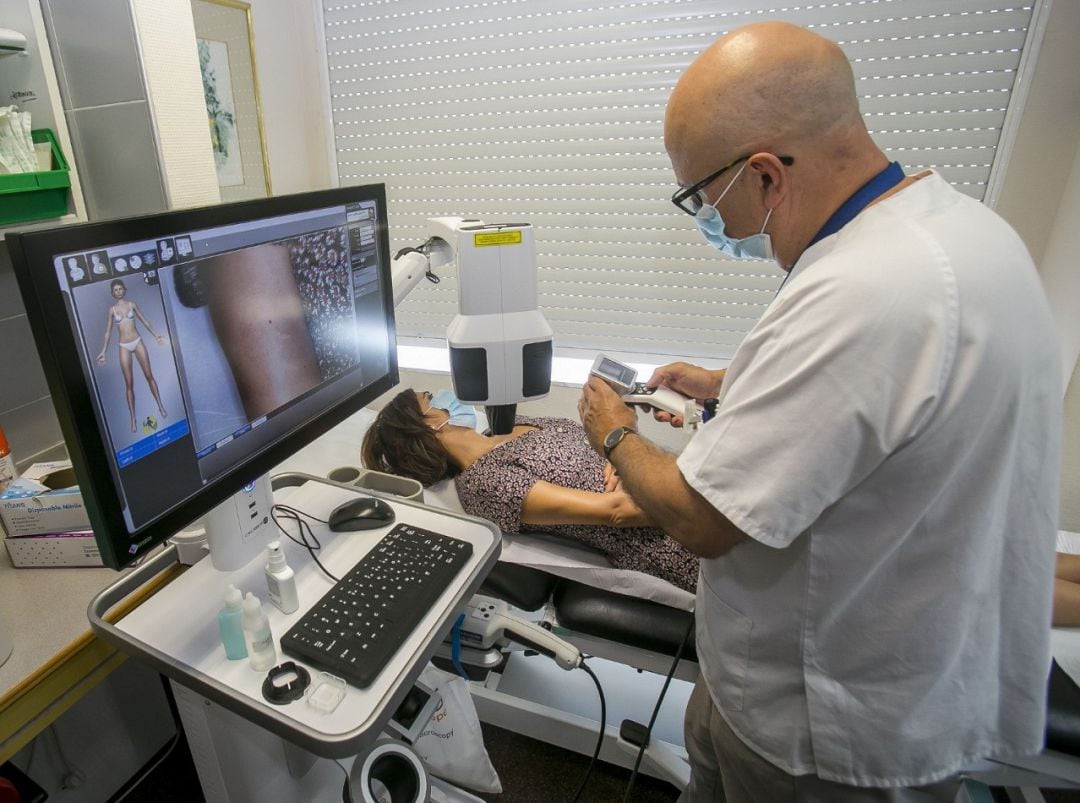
[(53, 550), (45, 499)]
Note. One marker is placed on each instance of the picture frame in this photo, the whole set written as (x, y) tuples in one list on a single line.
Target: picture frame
[(226, 44)]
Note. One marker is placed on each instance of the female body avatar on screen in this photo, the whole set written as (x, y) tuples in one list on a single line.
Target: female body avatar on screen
[(122, 315)]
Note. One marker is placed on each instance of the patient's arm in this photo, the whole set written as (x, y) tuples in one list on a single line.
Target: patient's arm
[(547, 504), (1067, 590), (1066, 603), (1067, 567)]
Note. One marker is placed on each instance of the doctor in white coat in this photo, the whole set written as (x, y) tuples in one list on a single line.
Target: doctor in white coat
[(876, 499)]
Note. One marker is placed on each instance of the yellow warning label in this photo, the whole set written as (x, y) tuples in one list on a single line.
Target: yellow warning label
[(497, 238)]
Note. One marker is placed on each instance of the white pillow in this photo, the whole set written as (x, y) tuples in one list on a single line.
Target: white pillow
[(443, 494)]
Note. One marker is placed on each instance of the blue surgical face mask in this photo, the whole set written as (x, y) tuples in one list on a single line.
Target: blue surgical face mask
[(711, 226), (461, 414)]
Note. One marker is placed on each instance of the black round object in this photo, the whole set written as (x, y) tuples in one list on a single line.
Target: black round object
[(282, 693)]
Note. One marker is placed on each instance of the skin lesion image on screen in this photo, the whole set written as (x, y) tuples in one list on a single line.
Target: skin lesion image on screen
[(259, 327)]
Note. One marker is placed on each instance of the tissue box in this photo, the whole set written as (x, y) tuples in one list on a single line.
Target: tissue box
[(45, 499), (54, 549)]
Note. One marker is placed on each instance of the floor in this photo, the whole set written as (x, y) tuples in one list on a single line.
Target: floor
[(530, 771), (534, 772)]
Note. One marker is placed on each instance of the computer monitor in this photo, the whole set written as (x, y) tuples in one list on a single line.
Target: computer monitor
[(190, 352)]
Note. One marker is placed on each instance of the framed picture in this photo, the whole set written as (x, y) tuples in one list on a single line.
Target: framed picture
[(226, 46)]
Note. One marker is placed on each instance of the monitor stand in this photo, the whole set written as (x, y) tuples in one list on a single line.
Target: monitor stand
[(238, 530)]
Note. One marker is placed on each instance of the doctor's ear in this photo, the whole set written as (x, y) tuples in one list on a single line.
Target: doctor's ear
[(768, 168)]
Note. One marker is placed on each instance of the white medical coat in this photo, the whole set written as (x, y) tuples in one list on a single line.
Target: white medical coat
[(888, 436)]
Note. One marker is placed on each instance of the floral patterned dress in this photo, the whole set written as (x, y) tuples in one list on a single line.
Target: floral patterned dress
[(557, 451)]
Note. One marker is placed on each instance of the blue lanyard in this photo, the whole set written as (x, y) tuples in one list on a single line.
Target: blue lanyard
[(883, 181)]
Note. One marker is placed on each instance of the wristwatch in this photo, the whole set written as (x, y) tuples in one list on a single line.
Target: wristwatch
[(614, 438)]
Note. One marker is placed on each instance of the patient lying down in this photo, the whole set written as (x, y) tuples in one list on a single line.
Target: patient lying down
[(541, 477)]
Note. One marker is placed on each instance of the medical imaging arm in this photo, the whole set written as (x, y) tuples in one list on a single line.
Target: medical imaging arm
[(500, 343), (413, 264)]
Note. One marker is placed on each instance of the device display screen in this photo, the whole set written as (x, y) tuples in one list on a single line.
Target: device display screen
[(220, 339), (621, 375), (202, 347)]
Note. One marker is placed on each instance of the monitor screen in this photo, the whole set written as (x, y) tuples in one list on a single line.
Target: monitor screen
[(189, 352)]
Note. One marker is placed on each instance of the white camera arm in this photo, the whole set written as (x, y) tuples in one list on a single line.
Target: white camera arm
[(413, 264)]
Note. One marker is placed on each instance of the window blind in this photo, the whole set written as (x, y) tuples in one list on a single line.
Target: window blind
[(552, 113)]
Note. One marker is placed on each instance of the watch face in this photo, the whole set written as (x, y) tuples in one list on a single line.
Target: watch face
[(615, 436)]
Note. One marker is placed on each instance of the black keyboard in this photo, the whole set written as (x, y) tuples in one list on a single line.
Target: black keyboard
[(358, 625)]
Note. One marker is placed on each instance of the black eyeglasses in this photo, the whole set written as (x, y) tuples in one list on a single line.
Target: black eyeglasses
[(691, 199)]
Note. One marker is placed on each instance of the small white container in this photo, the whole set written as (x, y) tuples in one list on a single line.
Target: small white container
[(257, 636), (280, 579)]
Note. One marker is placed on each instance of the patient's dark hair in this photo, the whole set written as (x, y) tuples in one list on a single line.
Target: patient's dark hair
[(400, 442)]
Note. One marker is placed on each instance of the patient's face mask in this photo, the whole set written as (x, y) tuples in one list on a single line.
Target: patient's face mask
[(711, 226), (461, 414)]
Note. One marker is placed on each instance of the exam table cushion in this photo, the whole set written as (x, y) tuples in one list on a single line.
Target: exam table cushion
[(522, 586), (627, 620)]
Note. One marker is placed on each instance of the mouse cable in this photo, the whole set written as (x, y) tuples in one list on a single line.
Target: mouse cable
[(600, 737), (656, 709), (299, 516), (294, 514)]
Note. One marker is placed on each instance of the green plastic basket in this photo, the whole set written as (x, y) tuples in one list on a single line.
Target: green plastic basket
[(36, 196)]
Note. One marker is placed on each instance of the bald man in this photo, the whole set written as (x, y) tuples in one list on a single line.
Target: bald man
[(875, 500)]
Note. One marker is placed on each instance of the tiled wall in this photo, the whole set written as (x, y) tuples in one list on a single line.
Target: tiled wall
[(26, 410), (100, 78), (97, 63)]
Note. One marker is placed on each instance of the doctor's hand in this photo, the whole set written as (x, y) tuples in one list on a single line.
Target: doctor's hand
[(690, 380), (602, 410), (612, 481)]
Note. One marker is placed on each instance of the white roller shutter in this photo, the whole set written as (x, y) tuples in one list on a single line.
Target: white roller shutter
[(551, 112)]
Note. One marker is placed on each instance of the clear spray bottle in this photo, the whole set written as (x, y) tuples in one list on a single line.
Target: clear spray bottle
[(257, 635), (280, 579)]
